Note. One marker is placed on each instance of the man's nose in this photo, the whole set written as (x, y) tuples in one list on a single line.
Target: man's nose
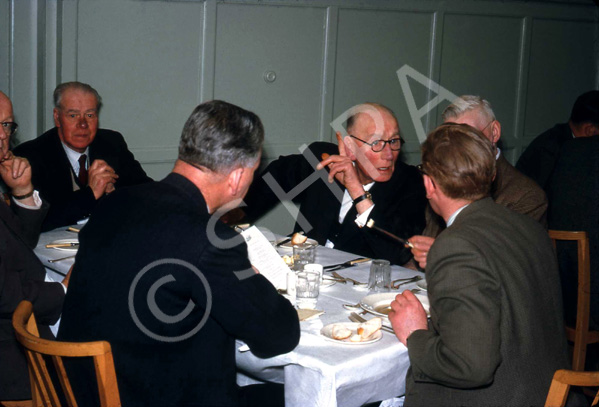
[(386, 152), (82, 123)]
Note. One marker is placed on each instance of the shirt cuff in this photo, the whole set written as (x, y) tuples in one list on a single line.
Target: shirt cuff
[(363, 217), (36, 199)]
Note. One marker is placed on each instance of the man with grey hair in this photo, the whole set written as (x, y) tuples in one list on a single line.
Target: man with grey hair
[(510, 187), (185, 289), (75, 163)]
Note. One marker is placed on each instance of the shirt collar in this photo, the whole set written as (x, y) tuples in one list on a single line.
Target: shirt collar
[(455, 214), (73, 156)]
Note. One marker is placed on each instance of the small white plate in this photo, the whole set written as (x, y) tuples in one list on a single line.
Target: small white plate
[(289, 245), (327, 332), (66, 241), (380, 304)]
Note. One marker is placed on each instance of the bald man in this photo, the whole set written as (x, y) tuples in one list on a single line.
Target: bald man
[(22, 275)]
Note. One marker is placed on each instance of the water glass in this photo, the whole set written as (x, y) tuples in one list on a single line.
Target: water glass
[(380, 276), (307, 288), (303, 254), (314, 268)]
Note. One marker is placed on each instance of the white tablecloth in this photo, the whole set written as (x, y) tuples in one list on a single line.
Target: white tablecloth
[(318, 372)]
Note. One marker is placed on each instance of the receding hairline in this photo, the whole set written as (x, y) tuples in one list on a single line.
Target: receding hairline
[(381, 108)]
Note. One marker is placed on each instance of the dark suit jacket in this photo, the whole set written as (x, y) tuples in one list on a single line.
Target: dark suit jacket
[(399, 205), (496, 333), (511, 189), (574, 195), (210, 299), (539, 158), (22, 278), (52, 173)]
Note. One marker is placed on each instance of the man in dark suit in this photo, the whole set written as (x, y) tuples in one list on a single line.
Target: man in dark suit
[(21, 273), (539, 159), (510, 187), (365, 181), (496, 334), (75, 163), (169, 285)]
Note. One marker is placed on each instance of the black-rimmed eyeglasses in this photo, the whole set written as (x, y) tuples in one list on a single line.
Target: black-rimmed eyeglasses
[(378, 145), (9, 128)]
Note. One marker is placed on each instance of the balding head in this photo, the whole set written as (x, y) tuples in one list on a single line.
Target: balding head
[(5, 104)]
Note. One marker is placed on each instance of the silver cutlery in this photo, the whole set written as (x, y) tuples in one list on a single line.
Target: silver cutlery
[(357, 318), (346, 279), (411, 280), (346, 264), (61, 259)]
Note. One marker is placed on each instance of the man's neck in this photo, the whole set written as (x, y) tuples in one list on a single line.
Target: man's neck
[(209, 184)]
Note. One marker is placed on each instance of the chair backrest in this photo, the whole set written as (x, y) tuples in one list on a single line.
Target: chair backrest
[(42, 389), (580, 334), (563, 379)]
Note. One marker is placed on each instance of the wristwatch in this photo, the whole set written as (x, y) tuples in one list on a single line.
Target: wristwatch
[(366, 195)]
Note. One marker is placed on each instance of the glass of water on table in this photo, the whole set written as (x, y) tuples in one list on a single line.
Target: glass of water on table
[(307, 288)]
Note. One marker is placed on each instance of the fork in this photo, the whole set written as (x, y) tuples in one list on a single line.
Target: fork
[(356, 318), (408, 281), (346, 279)]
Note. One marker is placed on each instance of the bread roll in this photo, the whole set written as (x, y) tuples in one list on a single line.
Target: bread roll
[(366, 329), (298, 238), (340, 332), (355, 338)]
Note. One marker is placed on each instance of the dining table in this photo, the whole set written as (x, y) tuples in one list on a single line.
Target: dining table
[(320, 371)]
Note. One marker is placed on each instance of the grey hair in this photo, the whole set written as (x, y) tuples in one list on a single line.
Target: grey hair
[(221, 137), (84, 87), (466, 103)]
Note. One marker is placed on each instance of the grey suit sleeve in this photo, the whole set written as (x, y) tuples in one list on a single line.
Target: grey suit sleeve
[(462, 347)]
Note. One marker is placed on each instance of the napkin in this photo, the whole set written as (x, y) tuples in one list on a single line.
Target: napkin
[(306, 314)]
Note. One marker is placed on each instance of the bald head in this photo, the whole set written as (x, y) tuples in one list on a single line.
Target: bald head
[(5, 103)]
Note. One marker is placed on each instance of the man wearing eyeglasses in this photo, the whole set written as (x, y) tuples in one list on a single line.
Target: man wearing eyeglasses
[(510, 187), (22, 275), (76, 163), (365, 181)]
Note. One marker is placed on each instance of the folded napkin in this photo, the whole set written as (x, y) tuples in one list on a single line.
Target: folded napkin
[(306, 314)]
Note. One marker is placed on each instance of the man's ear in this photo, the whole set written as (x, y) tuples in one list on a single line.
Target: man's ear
[(590, 130), (350, 148), (234, 181), (496, 131), (429, 186), (56, 121)]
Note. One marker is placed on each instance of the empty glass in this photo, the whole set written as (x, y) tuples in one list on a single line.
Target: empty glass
[(303, 254), (380, 276)]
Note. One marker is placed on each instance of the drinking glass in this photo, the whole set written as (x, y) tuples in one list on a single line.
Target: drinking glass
[(380, 276), (307, 288), (303, 254), (314, 268)]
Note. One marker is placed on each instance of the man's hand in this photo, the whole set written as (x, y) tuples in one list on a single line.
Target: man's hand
[(422, 244), (101, 178), (342, 168), (407, 315), (16, 174)]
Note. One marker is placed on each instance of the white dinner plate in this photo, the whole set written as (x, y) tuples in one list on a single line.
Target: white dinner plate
[(380, 304), (289, 245), (327, 332), (421, 284), (66, 241)]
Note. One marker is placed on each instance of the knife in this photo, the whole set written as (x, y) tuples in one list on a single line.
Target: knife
[(348, 263), (58, 245)]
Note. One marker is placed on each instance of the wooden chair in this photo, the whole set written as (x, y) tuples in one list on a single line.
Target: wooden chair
[(580, 334), (563, 379), (42, 389)]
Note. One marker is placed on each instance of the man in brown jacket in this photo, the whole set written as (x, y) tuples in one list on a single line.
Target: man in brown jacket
[(510, 188)]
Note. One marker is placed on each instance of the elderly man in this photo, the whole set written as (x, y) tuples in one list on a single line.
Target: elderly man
[(76, 163), (169, 285), (365, 181), (510, 188), (539, 159), (496, 334), (21, 273)]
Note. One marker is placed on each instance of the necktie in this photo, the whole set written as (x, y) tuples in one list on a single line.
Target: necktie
[(82, 170)]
